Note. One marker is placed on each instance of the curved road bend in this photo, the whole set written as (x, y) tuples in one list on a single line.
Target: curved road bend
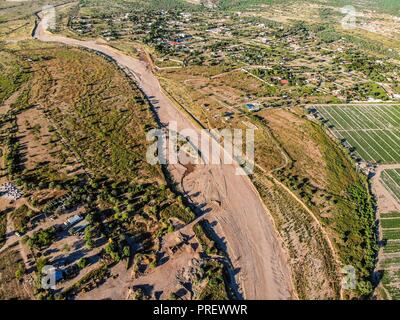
[(241, 219)]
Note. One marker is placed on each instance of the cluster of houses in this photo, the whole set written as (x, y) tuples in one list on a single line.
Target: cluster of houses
[(211, 38), (10, 191), (180, 39)]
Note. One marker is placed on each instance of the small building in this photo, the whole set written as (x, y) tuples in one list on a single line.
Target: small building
[(59, 276), (252, 107), (73, 220)]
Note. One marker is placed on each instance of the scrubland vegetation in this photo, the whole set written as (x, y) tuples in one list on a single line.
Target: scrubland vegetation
[(311, 61), (86, 150), (10, 286), (73, 139), (3, 228), (325, 178), (12, 74)]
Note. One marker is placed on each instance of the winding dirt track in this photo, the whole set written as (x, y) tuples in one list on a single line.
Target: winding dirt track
[(237, 213)]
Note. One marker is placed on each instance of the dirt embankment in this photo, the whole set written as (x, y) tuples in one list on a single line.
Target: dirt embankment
[(239, 218)]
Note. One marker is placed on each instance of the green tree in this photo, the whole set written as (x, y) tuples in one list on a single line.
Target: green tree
[(126, 252), (40, 263), (82, 263), (19, 273)]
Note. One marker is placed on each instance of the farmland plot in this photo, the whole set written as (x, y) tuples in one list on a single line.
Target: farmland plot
[(390, 261), (391, 180), (373, 130)]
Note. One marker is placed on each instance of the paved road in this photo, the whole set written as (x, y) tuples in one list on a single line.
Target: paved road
[(240, 218)]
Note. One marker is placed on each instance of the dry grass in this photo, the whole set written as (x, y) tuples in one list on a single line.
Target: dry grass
[(313, 266), (10, 287), (297, 139), (83, 90), (3, 227)]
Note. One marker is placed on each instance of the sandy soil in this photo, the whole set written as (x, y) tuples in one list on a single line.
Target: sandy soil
[(386, 202), (242, 222), (161, 281), (164, 279)]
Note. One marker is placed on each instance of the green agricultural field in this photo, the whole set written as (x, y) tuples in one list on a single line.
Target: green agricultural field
[(390, 280), (391, 234), (390, 263), (390, 223), (373, 130), (392, 247), (391, 180), (390, 215)]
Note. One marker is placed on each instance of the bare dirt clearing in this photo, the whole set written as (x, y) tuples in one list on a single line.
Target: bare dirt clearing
[(386, 201)]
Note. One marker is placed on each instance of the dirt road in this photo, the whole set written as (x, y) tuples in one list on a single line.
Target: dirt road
[(238, 214)]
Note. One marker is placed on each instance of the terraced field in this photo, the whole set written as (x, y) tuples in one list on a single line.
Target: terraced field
[(390, 260), (391, 180), (373, 130)]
